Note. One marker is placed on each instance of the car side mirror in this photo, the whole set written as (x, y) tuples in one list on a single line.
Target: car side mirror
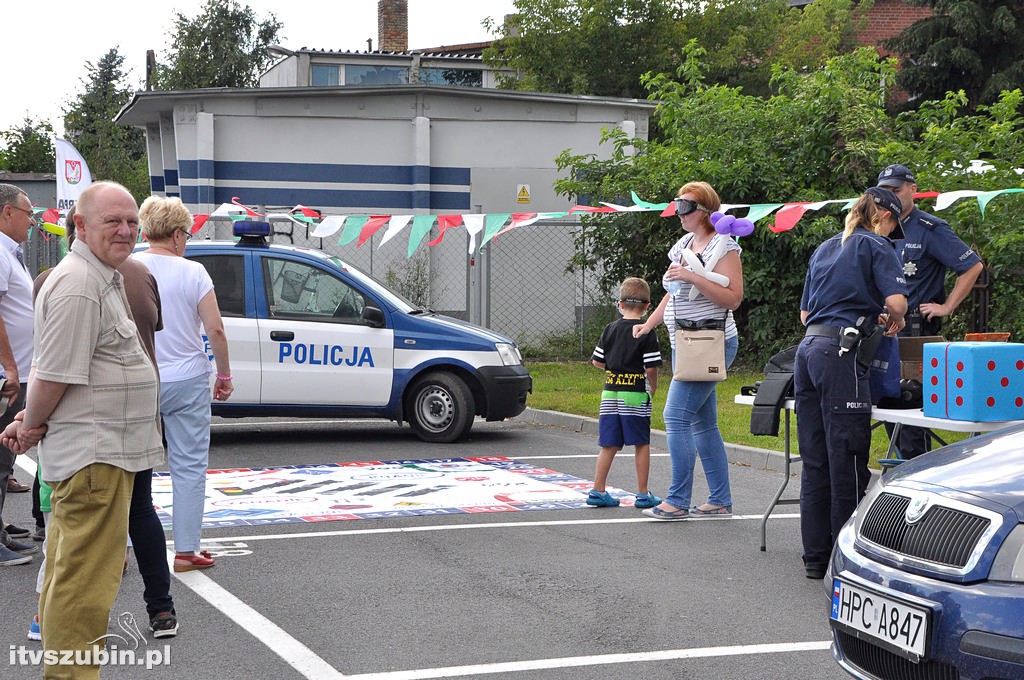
[(372, 317)]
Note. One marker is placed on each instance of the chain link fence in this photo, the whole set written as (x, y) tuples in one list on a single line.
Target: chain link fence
[(517, 285)]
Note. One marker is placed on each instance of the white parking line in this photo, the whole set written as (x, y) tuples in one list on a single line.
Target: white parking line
[(481, 525), (600, 660), (294, 653), (312, 666)]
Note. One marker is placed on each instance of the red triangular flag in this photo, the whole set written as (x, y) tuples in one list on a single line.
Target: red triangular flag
[(374, 223), (248, 210), (787, 216), (445, 222), (198, 221)]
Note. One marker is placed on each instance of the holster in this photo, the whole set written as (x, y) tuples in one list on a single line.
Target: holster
[(871, 335)]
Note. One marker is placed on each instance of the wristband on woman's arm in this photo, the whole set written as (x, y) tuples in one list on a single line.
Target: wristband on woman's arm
[(224, 378)]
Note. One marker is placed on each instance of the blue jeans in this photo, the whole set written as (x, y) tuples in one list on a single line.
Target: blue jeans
[(185, 407), (691, 425)]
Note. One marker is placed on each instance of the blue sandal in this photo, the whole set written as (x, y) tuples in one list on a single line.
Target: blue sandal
[(601, 499), (646, 500)]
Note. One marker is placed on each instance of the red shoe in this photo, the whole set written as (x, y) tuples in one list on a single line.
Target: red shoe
[(201, 560)]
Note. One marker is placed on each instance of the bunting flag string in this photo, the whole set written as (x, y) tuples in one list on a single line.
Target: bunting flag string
[(486, 227)]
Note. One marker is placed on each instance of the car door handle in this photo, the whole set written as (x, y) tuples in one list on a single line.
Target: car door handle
[(282, 336)]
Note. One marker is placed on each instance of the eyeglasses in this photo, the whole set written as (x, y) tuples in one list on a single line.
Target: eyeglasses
[(685, 206), (31, 213), (188, 236)]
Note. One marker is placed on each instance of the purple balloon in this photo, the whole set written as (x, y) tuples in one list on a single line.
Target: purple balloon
[(715, 216), (742, 227), (724, 225)]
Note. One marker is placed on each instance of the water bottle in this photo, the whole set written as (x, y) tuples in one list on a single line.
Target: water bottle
[(673, 287)]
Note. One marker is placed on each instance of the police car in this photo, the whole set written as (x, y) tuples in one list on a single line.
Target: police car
[(312, 336)]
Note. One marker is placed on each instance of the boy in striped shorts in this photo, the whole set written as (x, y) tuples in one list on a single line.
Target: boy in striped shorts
[(631, 377)]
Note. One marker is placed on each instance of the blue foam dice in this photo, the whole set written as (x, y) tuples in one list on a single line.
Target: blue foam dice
[(975, 381)]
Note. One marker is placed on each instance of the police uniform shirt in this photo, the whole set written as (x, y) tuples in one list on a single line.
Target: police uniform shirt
[(847, 281), (626, 358), (929, 248)]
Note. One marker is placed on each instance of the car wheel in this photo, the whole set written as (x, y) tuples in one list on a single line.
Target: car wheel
[(440, 408)]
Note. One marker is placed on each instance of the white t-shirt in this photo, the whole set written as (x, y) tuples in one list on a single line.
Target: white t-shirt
[(16, 305), (180, 346), (700, 308)]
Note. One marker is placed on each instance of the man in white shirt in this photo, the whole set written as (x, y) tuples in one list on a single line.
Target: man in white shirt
[(16, 222)]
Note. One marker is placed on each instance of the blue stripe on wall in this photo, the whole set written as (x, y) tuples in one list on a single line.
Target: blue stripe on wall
[(326, 198), (172, 176), (156, 183), (323, 172)]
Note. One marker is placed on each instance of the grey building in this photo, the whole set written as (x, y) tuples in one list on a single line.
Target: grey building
[(387, 132)]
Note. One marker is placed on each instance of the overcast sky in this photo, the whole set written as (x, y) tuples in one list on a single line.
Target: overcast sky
[(42, 72)]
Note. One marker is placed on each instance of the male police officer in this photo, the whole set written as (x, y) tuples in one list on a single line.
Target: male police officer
[(928, 249)]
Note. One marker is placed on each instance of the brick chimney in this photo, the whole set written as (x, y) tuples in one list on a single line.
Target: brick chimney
[(393, 25)]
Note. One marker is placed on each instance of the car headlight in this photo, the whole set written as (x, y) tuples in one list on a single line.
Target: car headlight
[(1009, 562), (509, 354)]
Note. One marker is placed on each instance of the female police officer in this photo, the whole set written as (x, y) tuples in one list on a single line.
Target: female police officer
[(852, 275)]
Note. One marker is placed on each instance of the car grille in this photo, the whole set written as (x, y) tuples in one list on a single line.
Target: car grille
[(942, 536), (884, 664)]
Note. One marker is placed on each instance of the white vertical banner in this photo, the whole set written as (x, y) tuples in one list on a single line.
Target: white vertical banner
[(73, 174)]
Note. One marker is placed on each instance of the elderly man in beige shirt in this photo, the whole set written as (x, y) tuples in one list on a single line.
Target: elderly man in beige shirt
[(92, 409)]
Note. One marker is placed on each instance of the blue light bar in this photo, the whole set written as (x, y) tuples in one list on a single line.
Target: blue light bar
[(250, 228)]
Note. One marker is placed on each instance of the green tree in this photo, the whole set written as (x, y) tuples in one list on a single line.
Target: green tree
[(972, 45), (940, 140), (603, 47), (224, 46), (28, 147), (820, 31), (820, 137), (594, 47), (113, 152)]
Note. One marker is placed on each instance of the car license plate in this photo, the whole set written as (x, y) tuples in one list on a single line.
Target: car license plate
[(901, 625)]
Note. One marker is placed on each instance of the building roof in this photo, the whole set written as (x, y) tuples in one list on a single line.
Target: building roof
[(146, 107)]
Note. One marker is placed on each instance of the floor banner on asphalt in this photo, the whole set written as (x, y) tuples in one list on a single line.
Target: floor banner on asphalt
[(378, 489)]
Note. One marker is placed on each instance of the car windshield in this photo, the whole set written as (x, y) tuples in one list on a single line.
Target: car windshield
[(374, 285)]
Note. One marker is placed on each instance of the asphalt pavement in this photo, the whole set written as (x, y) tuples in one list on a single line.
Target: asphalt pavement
[(568, 593)]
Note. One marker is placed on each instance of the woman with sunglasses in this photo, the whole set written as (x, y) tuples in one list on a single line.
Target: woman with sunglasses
[(852, 276), (187, 299), (691, 411)]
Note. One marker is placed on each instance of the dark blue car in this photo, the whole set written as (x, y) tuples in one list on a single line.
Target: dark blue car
[(927, 579)]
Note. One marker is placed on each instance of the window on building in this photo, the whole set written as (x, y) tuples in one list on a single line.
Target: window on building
[(465, 77), (376, 75), (325, 75)]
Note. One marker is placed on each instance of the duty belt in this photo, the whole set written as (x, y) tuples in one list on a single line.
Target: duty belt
[(823, 330)]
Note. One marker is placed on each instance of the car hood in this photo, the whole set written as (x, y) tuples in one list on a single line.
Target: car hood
[(988, 467)]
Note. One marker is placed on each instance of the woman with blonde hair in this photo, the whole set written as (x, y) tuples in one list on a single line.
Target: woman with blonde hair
[(853, 277), (189, 307), (693, 299)]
